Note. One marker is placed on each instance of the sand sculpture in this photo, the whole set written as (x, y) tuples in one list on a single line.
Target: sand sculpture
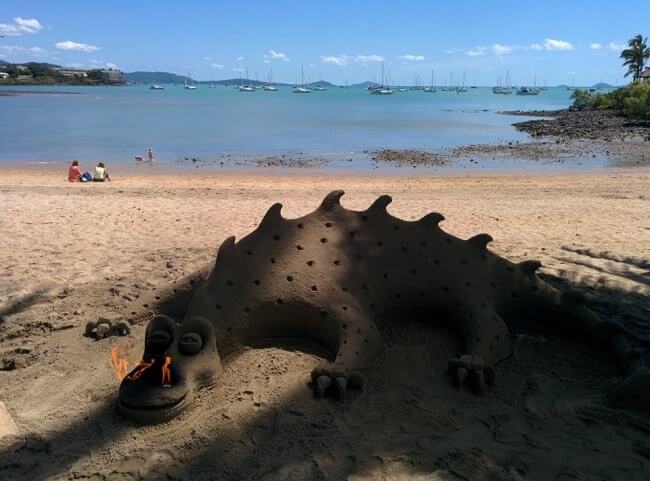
[(335, 276)]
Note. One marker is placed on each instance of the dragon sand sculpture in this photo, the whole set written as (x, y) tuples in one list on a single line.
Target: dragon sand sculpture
[(334, 276)]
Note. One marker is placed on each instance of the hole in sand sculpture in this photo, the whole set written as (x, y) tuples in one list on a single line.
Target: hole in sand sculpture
[(289, 278), (310, 263)]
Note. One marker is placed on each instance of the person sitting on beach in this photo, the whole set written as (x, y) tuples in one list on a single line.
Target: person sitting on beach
[(100, 173), (74, 174)]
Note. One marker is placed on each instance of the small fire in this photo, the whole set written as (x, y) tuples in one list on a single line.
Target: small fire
[(119, 360), (166, 372)]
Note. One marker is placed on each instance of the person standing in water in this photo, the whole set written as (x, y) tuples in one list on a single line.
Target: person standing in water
[(151, 157)]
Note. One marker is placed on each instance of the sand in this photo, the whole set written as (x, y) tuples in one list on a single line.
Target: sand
[(71, 253)]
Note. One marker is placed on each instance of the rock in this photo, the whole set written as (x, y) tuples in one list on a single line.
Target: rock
[(8, 364), (7, 425)]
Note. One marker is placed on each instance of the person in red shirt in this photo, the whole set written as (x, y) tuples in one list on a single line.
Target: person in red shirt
[(74, 174)]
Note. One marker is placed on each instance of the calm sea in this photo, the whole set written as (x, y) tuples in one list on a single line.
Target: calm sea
[(116, 123)]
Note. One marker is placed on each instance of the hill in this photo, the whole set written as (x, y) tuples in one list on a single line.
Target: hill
[(602, 85), (367, 84), (154, 77)]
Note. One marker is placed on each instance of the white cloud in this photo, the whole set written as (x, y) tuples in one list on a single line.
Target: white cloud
[(595, 46), (20, 26), (76, 46), (536, 46), (238, 69), (499, 49), (368, 58), (553, 44), (340, 60), (273, 55), (239, 59), (477, 51), (74, 65), (409, 57), (20, 49), (110, 65), (616, 46), (454, 50), (217, 66)]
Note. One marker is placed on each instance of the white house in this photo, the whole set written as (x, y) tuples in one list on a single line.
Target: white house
[(645, 75), (4, 75)]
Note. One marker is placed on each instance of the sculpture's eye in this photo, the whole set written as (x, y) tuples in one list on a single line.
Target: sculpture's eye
[(158, 341), (190, 343)]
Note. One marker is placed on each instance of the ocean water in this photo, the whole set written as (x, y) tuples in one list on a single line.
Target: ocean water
[(116, 123)]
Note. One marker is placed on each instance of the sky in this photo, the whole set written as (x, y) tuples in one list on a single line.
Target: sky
[(339, 41)]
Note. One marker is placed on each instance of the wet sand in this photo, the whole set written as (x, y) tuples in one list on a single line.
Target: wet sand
[(71, 253)]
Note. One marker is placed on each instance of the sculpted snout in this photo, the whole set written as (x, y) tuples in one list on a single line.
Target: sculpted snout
[(176, 361)]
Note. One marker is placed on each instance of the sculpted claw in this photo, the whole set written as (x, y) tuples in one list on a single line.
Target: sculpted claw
[(322, 383)]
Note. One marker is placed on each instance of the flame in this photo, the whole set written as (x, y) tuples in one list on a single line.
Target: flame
[(166, 372), (139, 370), (119, 360)]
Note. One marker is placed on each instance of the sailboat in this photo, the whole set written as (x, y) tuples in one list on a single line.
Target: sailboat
[(383, 89), (156, 87), (346, 86), (529, 90), (431, 89), (189, 83), (301, 89), (505, 89), (246, 87), (461, 88), (269, 87)]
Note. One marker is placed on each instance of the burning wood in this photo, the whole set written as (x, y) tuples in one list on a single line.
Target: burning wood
[(166, 372), (139, 370)]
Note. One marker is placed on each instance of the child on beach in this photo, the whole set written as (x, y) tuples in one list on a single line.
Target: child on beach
[(74, 174), (100, 173)]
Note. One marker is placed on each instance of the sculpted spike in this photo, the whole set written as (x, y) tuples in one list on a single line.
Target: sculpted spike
[(332, 200), (530, 267), (433, 218), (272, 215), (226, 249), (480, 240), (381, 203)]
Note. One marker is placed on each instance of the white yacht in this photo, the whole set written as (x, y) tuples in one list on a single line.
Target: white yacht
[(301, 89), (383, 89), (156, 87), (431, 89)]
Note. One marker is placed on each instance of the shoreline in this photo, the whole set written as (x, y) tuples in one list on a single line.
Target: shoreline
[(561, 140)]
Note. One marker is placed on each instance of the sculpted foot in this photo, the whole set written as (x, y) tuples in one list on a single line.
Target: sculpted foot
[(471, 370), (328, 379)]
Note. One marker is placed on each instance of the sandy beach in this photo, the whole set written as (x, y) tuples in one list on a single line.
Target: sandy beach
[(73, 252)]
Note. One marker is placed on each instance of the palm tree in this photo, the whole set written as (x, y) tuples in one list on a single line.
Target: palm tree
[(636, 56)]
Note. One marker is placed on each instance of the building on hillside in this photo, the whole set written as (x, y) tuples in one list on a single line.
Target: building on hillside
[(24, 77), (112, 76), (72, 72), (645, 75), (4, 75)]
